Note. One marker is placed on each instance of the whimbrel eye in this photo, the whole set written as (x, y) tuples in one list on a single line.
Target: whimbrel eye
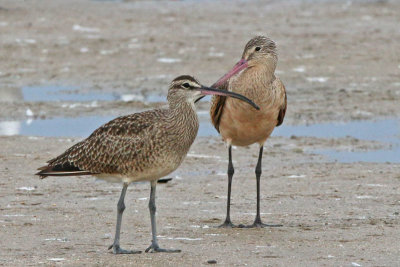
[(258, 48), (186, 85)]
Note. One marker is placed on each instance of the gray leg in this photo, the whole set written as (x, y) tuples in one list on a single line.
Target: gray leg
[(257, 221), (231, 171), (154, 247), (120, 208)]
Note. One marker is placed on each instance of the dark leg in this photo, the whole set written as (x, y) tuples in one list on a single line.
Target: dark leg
[(154, 247), (257, 221), (120, 208), (231, 171)]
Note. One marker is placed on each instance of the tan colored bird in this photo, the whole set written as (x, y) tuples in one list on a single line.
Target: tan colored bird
[(253, 76), (139, 147)]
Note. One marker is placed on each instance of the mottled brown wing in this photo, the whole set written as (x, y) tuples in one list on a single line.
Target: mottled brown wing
[(109, 149), (217, 106), (282, 110)]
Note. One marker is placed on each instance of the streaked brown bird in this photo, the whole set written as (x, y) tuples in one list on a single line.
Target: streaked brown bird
[(139, 147), (253, 76)]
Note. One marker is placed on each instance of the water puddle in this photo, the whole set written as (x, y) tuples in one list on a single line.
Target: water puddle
[(62, 93), (51, 93), (76, 127), (57, 127), (386, 131)]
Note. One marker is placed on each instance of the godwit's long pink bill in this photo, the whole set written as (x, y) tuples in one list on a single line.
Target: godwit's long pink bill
[(241, 65)]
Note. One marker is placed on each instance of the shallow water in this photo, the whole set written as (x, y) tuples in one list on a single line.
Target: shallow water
[(53, 93), (386, 131), (76, 127)]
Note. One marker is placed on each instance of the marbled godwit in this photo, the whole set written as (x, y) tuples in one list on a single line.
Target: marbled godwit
[(253, 76), (139, 147)]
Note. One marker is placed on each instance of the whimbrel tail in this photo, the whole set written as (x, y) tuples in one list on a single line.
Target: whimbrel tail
[(66, 169)]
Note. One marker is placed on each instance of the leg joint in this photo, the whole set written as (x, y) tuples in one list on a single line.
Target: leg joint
[(231, 171), (258, 170), (121, 206), (152, 206)]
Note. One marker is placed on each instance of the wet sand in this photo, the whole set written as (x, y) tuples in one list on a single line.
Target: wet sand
[(332, 213), (339, 62)]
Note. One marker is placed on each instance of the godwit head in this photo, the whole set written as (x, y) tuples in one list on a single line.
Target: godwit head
[(259, 51)]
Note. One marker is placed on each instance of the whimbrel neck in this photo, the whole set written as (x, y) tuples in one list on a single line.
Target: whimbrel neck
[(183, 121)]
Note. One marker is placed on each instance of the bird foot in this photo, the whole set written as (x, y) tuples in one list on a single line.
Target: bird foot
[(227, 224), (155, 248), (259, 224), (117, 250)]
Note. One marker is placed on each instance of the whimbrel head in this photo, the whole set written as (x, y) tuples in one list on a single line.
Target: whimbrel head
[(187, 88), (260, 50)]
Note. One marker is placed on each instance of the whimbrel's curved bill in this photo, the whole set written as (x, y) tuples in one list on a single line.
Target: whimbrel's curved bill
[(212, 91)]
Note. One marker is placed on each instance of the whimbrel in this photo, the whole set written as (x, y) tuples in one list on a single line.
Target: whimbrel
[(253, 76), (139, 147)]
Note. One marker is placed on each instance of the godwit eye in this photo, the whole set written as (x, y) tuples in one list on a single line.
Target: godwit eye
[(258, 48), (186, 85)]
